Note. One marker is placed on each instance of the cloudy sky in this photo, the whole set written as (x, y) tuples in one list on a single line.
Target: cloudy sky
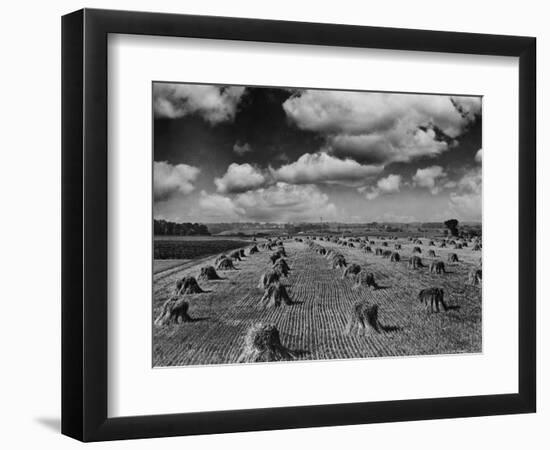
[(231, 153)]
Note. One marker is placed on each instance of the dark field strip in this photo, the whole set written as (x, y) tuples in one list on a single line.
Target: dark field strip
[(167, 248), (315, 324)]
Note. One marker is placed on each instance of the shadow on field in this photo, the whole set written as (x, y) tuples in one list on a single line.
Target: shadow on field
[(446, 308), (453, 307), (198, 319), (382, 288), (390, 328)]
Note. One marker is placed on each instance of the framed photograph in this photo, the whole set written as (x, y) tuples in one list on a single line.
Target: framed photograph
[(273, 224)]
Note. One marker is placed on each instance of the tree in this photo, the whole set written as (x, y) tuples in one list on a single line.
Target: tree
[(452, 225), (163, 228)]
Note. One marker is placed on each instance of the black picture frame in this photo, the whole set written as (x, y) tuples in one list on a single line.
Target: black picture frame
[(84, 224)]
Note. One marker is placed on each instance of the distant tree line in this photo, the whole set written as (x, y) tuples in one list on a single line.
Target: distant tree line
[(432, 225), (297, 228), (165, 228)]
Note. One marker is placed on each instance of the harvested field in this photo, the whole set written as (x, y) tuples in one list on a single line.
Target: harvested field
[(313, 326)]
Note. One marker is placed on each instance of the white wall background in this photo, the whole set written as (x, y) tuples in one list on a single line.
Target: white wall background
[(30, 229)]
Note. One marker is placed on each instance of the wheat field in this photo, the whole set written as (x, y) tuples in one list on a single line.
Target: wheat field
[(314, 324)]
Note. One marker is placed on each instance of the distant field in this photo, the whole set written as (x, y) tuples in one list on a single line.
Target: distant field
[(315, 324), (160, 265), (252, 232), (191, 247)]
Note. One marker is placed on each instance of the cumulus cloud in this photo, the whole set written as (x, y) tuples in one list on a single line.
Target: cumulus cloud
[(399, 144), (280, 202), (240, 178), (469, 107), (383, 128), (310, 168), (428, 177), (450, 184), (367, 112), (323, 168), (479, 155), (215, 104), (388, 185), (466, 201), (219, 207), (241, 149), (170, 180), (286, 202), (467, 206), (471, 181)]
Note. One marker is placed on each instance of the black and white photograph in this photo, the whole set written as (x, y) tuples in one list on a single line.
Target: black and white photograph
[(310, 224), (263, 225)]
